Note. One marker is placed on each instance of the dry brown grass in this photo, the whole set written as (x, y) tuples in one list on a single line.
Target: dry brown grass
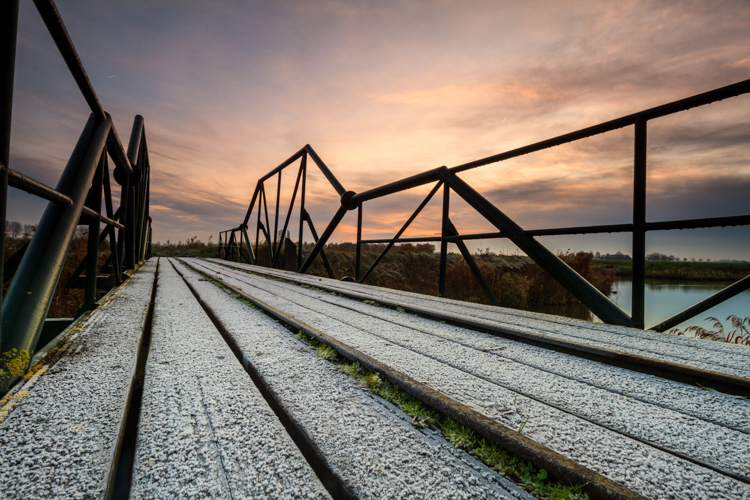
[(516, 281), (65, 301)]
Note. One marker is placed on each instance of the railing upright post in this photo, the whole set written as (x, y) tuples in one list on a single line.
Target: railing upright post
[(111, 229), (93, 201), (144, 207), (443, 241), (359, 243), (8, 30), (123, 219), (302, 210), (148, 240), (238, 244), (276, 221), (639, 221), (267, 229), (257, 233), (130, 227)]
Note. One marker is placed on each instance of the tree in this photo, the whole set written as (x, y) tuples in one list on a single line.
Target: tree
[(14, 228), (28, 230)]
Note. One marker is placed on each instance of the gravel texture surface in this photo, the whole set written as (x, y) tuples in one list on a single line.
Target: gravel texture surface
[(205, 430), (368, 443), (499, 387), (729, 449), (59, 440), (715, 356)]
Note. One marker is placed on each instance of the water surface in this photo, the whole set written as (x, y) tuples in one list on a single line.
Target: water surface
[(665, 298)]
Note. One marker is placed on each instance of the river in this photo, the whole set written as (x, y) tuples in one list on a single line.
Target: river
[(665, 298)]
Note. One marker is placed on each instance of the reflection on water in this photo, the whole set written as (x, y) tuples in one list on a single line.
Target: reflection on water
[(664, 298)]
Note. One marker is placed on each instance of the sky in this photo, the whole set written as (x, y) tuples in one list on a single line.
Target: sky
[(383, 90)]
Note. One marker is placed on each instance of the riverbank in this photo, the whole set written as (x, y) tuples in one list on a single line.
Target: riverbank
[(694, 271)]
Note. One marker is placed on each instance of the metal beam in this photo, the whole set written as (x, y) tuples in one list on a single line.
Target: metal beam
[(31, 291), (444, 233), (321, 242), (639, 221), (393, 240), (472, 265), (703, 305), (8, 32), (326, 171), (567, 277)]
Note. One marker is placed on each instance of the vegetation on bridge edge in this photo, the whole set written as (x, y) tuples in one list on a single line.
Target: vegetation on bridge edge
[(536, 481)]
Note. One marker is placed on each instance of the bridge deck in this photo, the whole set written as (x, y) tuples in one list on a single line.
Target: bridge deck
[(659, 437), (234, 405), (61, 429)]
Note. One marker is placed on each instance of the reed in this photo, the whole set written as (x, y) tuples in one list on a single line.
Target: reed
[(740, 333), (516, 281)]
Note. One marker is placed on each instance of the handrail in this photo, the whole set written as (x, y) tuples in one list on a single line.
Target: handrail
[(76, 200), (524, 239), (709, 97)]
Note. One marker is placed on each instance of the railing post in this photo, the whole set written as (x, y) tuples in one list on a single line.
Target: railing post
[(130, 227), (148, 247), (144, 208), (124, 220), (443, 242), (8, 30), (639, 221), (359, 243), (30, 293), (276, 221), (302, 209), (93, 201)]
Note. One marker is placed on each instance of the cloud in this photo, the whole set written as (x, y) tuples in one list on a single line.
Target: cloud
[(387, 90)]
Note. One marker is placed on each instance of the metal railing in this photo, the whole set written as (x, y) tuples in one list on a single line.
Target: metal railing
[(77, 199), (447, 178)]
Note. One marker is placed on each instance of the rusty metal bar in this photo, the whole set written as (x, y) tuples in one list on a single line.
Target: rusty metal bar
[(639, 220), (8, 33), (444, 233), (567, 277), (472, 265), (358, 257), (303, 166), (276, 216), (704, 305), (326, 171), (288, 214), (320, 242), (30, 293), (719, 94), (252, 204), (393, 240), (267, 227), (20, 181), (281, 167)]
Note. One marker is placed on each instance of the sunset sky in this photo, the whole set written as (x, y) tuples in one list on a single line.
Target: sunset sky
[(383, 90)]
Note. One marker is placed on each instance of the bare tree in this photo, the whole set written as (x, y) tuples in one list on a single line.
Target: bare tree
[(28, 230), (14, 228)]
